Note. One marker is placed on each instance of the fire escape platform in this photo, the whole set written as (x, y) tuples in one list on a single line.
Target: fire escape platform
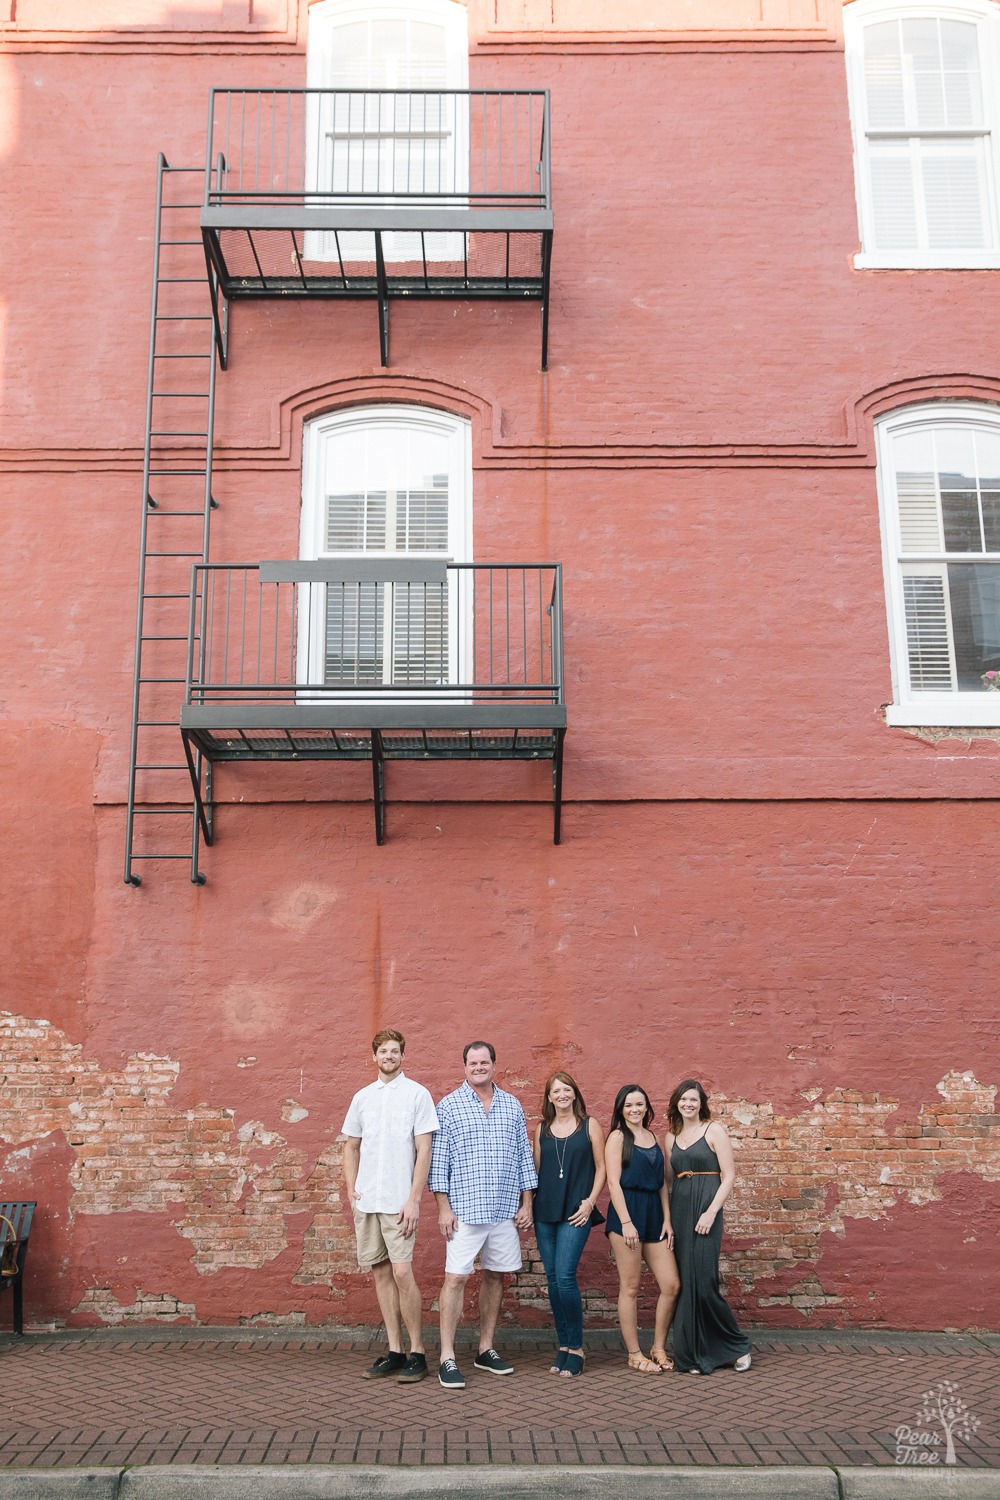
[(333, 193), (374, 659), (499, 255), (336, 730)]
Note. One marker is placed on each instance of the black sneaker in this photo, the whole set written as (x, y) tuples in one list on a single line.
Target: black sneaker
[(490, 1360), (415, 1369), (386, 1364), (450, 1376)]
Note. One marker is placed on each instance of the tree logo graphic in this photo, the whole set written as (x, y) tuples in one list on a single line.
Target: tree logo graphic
[(942, 1407)]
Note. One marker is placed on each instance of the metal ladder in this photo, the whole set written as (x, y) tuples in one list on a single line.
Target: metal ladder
[(177, 504)]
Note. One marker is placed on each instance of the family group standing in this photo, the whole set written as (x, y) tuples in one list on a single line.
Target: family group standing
[(491, 1184)]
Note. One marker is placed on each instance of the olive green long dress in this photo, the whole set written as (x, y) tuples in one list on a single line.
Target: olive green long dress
[(706, 1335)]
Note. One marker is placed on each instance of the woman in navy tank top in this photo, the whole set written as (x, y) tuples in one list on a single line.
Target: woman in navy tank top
[(569, 1159)]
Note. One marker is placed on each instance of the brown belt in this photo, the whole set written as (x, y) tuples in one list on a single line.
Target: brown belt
[(697, 1174)]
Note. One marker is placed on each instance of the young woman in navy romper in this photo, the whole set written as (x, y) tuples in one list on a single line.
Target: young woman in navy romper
[(638, 1226)]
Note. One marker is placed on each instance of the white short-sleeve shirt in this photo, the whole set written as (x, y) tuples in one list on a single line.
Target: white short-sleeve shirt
[(386, 1117)]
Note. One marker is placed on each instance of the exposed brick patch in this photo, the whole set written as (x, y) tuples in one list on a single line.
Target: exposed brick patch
[(841, 1159), (328, 1249), (148, 1307), (228, 1189), (274, 1320), (940, 736)]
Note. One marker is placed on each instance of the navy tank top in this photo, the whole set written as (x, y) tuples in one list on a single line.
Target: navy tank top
[(557, 1197)]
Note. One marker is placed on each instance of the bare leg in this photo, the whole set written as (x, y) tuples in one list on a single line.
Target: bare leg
[(490, 1299), (410, 1305), (452, 1304), (629, 1263), (388, 1301), (660, 1260)]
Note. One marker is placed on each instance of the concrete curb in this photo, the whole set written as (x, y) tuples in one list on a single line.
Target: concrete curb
[(474, 1483), (60, 1484), (541, 1482), (906, 1482)]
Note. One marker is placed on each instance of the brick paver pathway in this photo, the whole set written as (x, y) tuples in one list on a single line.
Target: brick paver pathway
[(152, 1397)]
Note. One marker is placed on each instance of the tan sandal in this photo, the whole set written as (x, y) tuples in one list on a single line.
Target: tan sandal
[(662, 1358), (638, 1361)]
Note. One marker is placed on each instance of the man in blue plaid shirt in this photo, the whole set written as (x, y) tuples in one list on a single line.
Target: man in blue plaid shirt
[(483, 1177)]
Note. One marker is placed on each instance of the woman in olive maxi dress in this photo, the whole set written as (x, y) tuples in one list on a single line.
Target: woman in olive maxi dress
[(700, 1163)]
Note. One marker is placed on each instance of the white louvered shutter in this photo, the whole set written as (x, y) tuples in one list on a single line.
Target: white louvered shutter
[(355, 614), (929, 647), (412, 617), (919, 514)]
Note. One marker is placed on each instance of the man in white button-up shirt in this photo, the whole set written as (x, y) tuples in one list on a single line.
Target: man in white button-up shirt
[(389, 1130)]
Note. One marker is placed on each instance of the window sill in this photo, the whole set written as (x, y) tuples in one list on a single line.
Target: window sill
[(964, 711), (974, 261)]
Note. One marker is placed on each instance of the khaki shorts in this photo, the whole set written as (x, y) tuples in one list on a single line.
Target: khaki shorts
[(380, 1238)]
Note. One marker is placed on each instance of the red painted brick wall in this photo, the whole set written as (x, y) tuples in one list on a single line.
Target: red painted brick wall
[(761, 884)]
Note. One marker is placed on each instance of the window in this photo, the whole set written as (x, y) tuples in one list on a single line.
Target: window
[(923, 82), (374, 142), (939, 485), (384, 483)]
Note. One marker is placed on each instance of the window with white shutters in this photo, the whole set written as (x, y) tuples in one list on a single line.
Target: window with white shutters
[(374, 141), (923, 89), (381, 484), (939, 483)]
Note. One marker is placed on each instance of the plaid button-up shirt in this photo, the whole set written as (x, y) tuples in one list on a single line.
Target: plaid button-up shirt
[(482, 1161)]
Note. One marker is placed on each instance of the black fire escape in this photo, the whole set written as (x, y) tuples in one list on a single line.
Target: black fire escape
[(332, 194)]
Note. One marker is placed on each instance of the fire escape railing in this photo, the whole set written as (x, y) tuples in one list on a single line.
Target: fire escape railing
[(462, 148), (380, 193), (376, 658)]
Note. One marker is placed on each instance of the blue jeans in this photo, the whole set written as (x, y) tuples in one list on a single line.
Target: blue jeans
[(560, 1246)]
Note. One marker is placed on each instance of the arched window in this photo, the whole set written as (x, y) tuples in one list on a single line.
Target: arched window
[(382, 483), (923, 79), (939, 488)]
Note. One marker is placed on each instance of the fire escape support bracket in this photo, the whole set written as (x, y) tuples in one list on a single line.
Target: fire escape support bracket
[(220, 302), (378, 785), (557, 784), (202, 799), (546, 279), (382, 284)]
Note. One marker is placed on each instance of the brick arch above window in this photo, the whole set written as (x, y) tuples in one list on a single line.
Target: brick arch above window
[(380, 389), (862, 413)]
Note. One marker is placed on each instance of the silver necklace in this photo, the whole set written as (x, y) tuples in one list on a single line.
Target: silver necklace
[(561, 1155)]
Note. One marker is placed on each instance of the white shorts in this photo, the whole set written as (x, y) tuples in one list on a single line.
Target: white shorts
[(499, 1244)]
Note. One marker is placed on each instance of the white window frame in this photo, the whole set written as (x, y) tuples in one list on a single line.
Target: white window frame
[(986, 17), (324, 21), (318, 456), (958, 709)]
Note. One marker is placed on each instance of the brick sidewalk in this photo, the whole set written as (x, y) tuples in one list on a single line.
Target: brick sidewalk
[(236, 1397)]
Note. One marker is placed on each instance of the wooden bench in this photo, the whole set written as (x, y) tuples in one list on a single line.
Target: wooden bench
[(19, 1217)]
